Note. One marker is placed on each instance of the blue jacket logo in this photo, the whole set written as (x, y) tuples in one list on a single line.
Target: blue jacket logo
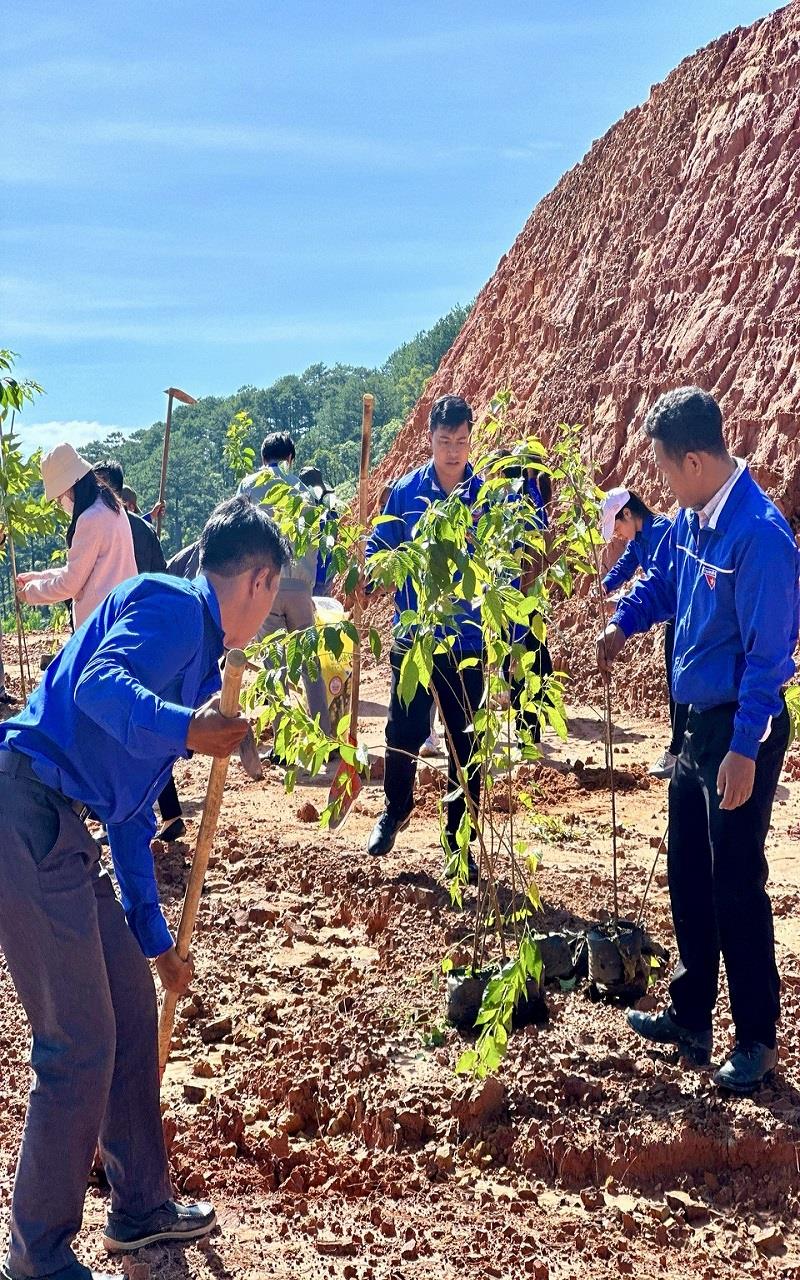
[(710, 576)]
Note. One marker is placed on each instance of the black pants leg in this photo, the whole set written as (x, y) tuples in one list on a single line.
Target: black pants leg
[(459, 694), (542, 666), (678, 711), (717, 879), (406, 730), (169, 805)]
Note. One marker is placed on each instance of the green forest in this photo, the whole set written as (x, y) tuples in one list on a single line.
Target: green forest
[(320, 408)]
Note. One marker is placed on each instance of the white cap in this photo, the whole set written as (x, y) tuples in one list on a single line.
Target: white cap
[(61, 468), (612, 504)]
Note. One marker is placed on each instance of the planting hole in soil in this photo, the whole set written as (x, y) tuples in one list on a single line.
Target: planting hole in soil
[(465, 993)]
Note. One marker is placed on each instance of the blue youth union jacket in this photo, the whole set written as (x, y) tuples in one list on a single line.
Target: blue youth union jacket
[(407, 502), (639, 552), (733, 591)]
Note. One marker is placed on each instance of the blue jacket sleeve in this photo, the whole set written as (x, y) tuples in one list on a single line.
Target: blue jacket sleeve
[(116, 687), (654, 598), (133, 867), (766, 600), (622, 571)]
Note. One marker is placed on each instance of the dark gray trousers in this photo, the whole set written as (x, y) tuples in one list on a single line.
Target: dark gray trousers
[(89, 996)]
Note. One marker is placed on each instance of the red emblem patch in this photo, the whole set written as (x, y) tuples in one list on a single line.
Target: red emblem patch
[(710, 576)]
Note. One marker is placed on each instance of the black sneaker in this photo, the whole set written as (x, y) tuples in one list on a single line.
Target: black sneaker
[(384, 833), (169, 1222), (662, 1028), (748, 1066), (172, 830)]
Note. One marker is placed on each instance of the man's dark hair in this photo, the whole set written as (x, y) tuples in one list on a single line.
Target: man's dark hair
[(449, 411), (278, 446), (110, 472), (239, 535), (687, 420)]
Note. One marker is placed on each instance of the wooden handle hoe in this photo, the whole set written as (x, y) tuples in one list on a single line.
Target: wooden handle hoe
[(347, 780), (235, 664)]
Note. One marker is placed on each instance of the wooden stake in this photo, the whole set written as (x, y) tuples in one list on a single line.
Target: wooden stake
[(229, 706)]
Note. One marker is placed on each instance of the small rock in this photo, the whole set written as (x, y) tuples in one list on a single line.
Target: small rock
[(235, 855), (335, 1246), (194, 1092), (592, 1198), (769, 1241), (693, 1210), (218, 1029), (291, 1122), (263, 914), (194, 1183), (308, 812), (203, 1069), (135, 1270), (443, 1159)]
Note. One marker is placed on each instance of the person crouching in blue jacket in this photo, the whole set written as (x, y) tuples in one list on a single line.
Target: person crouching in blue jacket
[(728, 573), (623, 515)]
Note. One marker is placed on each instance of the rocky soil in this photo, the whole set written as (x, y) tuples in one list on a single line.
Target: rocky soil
[(668, 255), (312, 1094)]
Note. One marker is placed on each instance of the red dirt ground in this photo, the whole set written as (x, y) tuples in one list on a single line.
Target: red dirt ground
[(311, 1092)]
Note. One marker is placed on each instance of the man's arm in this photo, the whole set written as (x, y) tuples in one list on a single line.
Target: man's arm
[(622, 571), (652, 600), (766, 598), (117, 686), (133, 866)]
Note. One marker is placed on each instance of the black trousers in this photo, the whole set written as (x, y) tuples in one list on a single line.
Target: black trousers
[(717, 880), (169, 805), (678, 711), (459, 694), (542, 666)]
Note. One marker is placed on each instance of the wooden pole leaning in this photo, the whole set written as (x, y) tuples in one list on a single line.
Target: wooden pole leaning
[(235, 663)]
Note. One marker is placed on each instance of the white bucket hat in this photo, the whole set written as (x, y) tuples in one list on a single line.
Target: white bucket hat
[(61, 468), (610, 508)]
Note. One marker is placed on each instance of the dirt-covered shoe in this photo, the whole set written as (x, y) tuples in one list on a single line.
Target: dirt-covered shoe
[(169, 1222), (747, 1067), (172, 830), (384, 834), (664, 766), (661, 1028)]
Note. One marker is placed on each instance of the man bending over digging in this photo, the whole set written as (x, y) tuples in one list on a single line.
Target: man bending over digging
[(131, 691), (727, 571)]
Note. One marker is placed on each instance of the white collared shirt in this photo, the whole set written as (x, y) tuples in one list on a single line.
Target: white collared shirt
[(711, 512)]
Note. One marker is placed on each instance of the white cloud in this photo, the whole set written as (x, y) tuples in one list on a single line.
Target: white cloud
[(44, 435)]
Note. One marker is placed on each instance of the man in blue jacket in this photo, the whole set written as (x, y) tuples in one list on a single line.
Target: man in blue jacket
[(459, 692), (728, 573), (131, 691)]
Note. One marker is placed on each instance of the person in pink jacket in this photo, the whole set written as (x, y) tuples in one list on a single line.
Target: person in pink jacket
[(99, 542)]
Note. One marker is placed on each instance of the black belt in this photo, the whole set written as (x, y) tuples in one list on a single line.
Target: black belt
[(18, 765)]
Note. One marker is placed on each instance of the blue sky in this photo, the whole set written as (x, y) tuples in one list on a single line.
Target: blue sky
[(213, 195)]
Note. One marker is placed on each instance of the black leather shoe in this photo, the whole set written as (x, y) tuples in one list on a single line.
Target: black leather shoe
[(169, 1222), (748, 1066), (384, 833), (662, 1028), (172, 830)]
